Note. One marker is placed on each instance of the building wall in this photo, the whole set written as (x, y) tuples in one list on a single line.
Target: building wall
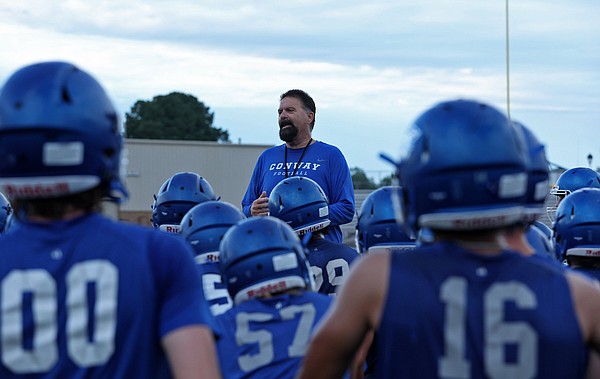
[(227, 167)]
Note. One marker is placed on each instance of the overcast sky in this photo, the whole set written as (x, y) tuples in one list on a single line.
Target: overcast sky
[(371, 66)]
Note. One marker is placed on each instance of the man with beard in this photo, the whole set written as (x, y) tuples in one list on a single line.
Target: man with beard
[(301, 155)]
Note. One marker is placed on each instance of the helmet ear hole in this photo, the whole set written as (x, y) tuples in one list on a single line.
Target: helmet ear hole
[(65, 96), (109, 152), (22, 158)]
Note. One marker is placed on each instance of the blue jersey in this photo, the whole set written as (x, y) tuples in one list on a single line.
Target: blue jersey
[(453, 314), (215, 291), (323, 163), (92, 298), (268, 337), (329, 263)]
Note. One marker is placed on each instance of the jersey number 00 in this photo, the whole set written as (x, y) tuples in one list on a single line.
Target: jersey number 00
[(83, 350)]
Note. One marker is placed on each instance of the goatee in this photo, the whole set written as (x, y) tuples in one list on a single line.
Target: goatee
[(287, 134)]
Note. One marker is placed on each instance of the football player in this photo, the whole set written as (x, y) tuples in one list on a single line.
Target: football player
[(376, 226), (302, 204), (377, 229), (266, 333), (82, 295), (203, 227), (176, 197), (302, 155), (577, 231), (463, 306), (572, 180)]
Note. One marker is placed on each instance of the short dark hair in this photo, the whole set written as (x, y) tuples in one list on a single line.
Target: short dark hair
[(307, 102)]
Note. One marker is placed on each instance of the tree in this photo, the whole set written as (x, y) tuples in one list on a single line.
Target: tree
[(360, 180), (387, 181), (176, 116)]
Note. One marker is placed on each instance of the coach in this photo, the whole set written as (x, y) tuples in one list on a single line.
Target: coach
[(302, 155)]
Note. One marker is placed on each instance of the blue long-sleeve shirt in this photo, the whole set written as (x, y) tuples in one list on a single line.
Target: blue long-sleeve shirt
[(323, 163)]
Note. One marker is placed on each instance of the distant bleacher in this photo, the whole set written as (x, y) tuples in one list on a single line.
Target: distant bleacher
[(349, 230)]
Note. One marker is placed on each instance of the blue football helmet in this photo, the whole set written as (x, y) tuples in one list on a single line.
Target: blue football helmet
[(59, 134), (204, 226), (263, 255), (569, 181), (577, 225), (5, 213), (176, 197), (538, 175), (301, 203), (465, 169), (377, 225)]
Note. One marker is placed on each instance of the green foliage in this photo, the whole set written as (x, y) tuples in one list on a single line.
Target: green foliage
[(176, 116), (387, 181), (360, 180)]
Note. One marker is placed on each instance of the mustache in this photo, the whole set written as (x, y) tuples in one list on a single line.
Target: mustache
[(283, 123)]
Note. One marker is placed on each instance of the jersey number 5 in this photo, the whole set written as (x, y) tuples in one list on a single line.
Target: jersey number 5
[(264, 339)]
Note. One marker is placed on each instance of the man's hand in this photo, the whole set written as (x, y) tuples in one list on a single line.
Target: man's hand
[(260, 206)]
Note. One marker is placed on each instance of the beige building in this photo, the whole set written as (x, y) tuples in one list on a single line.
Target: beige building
[(226, 166)]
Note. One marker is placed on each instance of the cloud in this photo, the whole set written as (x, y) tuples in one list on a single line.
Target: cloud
[(366, 63)]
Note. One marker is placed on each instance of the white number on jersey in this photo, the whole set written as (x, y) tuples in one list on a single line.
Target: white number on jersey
[(264, 338), (498, 333), (43, 355), (332, 267), (211, 292)]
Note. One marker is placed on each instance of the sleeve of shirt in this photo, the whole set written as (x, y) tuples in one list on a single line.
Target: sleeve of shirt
[(178, 285), (341, 194), (254, 187)]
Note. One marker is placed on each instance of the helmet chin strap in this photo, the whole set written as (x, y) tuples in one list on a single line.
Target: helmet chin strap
[(306, 238)]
